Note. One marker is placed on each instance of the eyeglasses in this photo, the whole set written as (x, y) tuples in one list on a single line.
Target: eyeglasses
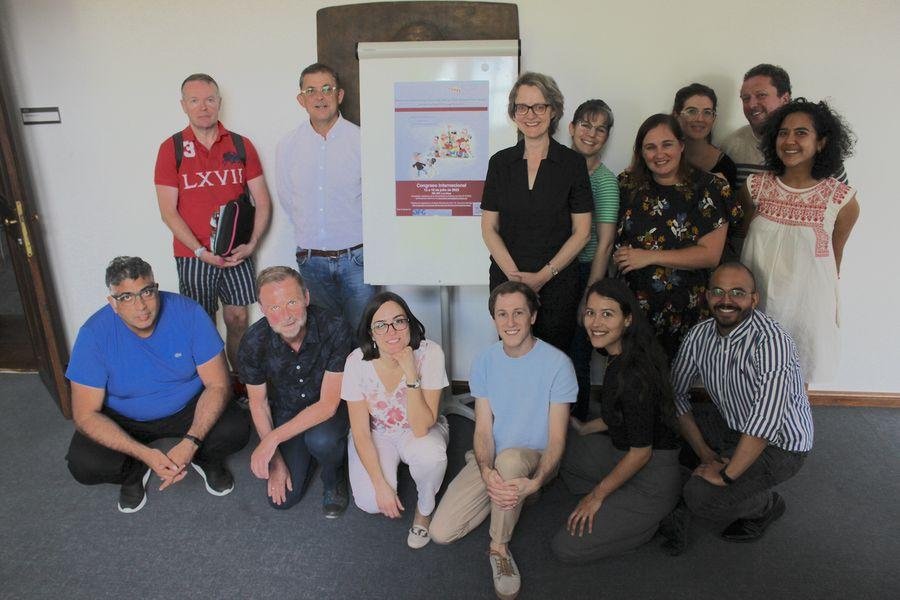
[(128, 297), (537, 109), (399, 324), (590, 129), (692, 112), (326, 90), (718, 292)]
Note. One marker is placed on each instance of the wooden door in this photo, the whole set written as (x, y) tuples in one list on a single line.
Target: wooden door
[(27, 252)]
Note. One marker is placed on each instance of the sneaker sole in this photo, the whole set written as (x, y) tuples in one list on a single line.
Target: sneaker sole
[(206, 483), (128, 511)]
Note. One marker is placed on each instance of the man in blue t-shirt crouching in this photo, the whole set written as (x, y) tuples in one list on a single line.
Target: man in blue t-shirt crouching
[(148, 366)]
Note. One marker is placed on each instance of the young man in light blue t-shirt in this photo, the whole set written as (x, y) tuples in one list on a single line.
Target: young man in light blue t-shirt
[(523, 388)]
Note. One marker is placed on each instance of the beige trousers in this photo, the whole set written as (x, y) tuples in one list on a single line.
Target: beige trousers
[(466, 502)]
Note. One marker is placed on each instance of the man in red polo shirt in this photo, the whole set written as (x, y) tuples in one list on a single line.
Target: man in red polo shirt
[(211, 174)]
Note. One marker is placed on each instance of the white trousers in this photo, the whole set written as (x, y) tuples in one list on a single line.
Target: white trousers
[(426, 457)]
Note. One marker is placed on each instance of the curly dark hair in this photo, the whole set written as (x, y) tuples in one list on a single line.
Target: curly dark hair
[(364, 329), (642, 355), (839, 138)]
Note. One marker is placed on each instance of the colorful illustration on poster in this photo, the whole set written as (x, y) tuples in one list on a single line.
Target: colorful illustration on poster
[(441, 142)]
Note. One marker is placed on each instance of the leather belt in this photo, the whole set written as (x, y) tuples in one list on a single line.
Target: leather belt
[(328, 253)]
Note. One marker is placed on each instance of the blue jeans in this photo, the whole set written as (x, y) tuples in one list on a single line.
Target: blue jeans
[(336, 284), (324, 445)]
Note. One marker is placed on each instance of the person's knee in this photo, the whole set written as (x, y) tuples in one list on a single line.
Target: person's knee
[(427, 453), (509, 464), (563, 549), (702, 498), (327, 446), (82, 471), (232, 429), (440, 533), (236, 317)]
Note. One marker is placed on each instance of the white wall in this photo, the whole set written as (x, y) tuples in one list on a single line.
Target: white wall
[(114, 68)]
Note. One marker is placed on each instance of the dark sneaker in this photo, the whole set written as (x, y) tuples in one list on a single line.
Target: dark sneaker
[(750, 530), (674, 528), (133, 496), (216, 476), (335, 500)]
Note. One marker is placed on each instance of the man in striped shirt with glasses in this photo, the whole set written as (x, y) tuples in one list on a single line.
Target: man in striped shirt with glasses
[(750, 369)]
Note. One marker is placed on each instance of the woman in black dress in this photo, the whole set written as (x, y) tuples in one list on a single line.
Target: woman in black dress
[(673, 220), (536, 209)]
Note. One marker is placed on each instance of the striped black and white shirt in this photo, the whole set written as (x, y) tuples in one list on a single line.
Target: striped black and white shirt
[(753, 377)]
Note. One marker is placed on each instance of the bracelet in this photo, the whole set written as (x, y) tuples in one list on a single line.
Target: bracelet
[(199, 251), (197, 441), (728, 480), (553, 270), (414, 385)]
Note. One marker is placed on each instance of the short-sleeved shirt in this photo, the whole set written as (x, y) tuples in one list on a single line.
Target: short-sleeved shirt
[(206, 180), (605, 190), (294, 379), (634, 418), (146, 378), (535, 223), (387, 408), (520, 391)]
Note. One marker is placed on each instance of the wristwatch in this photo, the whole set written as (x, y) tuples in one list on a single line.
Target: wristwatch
[(193, 438), (199, 251), (728, 480), (414, 385)]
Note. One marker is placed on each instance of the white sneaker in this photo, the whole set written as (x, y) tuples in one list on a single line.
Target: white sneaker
[(507, 580)]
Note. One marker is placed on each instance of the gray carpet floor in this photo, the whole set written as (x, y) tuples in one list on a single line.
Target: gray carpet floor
[(838, 539)]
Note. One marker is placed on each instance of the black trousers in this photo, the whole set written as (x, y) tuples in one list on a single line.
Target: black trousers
[(91, 463)]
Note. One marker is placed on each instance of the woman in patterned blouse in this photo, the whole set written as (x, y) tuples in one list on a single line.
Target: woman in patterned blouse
[(673, 220), (392, 385)]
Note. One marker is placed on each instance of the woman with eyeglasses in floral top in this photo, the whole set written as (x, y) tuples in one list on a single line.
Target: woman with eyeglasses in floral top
[(392, 385)]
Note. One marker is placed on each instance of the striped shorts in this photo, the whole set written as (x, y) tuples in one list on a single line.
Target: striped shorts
[(235, 286)]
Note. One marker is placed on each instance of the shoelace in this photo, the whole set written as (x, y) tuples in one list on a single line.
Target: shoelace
[(504, 566)]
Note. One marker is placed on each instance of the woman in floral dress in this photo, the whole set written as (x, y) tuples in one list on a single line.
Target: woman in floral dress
[(673, 220)]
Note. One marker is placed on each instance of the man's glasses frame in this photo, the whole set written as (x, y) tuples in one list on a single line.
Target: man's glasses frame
[(325, 90), (739, 293), (128, 297)]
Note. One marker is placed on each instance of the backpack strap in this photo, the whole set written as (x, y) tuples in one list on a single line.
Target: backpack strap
[(179, 150), (238, 142)]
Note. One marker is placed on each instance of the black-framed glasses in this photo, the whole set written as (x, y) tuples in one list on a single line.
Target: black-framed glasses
[(326, 90), (398, 323), (738, 293), (591, 129), (128, 297), (538, 109), (692, 112)]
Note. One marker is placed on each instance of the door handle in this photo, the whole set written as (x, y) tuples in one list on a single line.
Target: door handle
[(25, 238)]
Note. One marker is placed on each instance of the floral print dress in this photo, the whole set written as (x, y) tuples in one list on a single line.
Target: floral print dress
[(672, 217)]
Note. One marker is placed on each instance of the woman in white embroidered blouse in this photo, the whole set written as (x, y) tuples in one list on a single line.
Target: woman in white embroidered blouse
[(392, 385)]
